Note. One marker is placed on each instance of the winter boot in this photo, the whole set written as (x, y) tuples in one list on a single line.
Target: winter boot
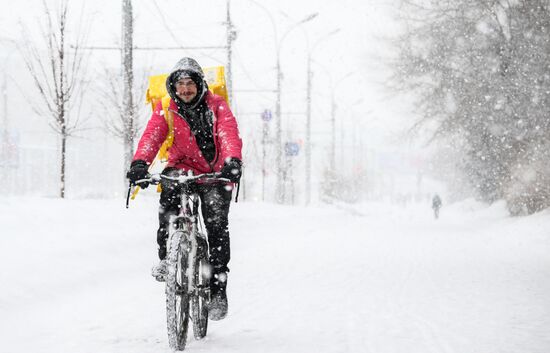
[(217, 310), (160, 271)]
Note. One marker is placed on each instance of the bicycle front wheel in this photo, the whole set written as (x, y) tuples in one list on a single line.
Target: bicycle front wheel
[(177, 292), (201, 298)]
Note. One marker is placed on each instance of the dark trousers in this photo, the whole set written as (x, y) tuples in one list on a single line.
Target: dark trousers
[(215, 201)]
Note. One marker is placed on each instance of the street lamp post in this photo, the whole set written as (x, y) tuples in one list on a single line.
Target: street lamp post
[(333, 118), (333, 107), (280, 165), (280, 190), (350, 108), (308, 120)]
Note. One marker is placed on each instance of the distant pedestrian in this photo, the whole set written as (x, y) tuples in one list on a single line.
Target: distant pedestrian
[(436, 205)]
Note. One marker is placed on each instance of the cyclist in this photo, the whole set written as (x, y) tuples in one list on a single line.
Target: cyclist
[(206, 139)]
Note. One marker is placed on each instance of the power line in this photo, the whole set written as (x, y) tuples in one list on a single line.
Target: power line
[(174, 37), (150, 48)]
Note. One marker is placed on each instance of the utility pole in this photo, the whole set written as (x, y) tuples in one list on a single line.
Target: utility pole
[(128, 80), (308, 119), (281, 164), (231, 36), (308, 132), (4, 147), (333, 133), (5, 106), (279, 189), (7, 147), (265, 135)]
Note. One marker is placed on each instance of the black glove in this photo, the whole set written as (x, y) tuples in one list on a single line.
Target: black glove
[(232, 170), (138, 170)]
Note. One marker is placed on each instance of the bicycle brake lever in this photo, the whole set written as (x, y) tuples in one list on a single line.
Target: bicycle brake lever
[(128, 196)]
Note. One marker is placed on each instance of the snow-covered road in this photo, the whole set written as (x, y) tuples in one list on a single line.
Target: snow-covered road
[(376, 278)]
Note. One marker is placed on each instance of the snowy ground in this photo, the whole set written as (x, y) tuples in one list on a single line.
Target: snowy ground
[(375, 278)]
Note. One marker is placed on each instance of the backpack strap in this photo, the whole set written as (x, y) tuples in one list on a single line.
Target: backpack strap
[(169, 117)]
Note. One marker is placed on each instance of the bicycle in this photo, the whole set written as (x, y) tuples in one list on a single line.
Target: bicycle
[(188, 279)]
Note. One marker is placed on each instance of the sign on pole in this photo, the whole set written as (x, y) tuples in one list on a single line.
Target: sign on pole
[(266, 115), (292, 149)]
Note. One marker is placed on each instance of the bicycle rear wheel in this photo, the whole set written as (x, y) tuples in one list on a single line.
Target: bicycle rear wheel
[(202, 296), (177, 292)]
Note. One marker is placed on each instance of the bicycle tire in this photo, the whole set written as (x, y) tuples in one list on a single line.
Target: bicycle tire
[(202, 297), (177, 293)]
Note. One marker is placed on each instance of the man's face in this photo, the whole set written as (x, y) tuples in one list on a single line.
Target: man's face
[(186, 89)]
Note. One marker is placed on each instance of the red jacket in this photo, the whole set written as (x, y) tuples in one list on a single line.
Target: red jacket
[(185, 153)]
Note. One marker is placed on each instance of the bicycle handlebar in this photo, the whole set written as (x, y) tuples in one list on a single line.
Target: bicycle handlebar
[(182, 179), (155, 179)]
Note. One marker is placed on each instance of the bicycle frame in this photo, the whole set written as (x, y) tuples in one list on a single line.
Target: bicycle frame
[(188, 221)]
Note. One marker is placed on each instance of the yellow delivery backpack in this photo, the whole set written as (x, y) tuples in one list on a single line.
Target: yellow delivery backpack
[(156, 92)]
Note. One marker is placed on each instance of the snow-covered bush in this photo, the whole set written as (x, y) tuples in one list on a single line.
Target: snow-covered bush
[(335, 186)]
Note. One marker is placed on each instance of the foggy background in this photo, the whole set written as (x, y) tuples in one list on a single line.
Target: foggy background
[(372, 140)]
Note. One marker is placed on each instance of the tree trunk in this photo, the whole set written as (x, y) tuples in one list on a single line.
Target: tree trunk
[(63, 162)]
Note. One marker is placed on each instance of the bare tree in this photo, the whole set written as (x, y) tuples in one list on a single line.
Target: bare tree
[(57, 73), (119, 124)]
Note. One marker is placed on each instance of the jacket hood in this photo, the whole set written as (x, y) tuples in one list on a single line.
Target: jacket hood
[(189, 64), (187, 67)]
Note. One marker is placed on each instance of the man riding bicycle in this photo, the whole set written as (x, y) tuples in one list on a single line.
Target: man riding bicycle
[(206, 139)]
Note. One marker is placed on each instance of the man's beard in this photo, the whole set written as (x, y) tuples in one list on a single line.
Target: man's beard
[(187, 98)]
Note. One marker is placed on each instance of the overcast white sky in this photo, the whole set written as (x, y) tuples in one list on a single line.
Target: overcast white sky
[(200, 23)]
